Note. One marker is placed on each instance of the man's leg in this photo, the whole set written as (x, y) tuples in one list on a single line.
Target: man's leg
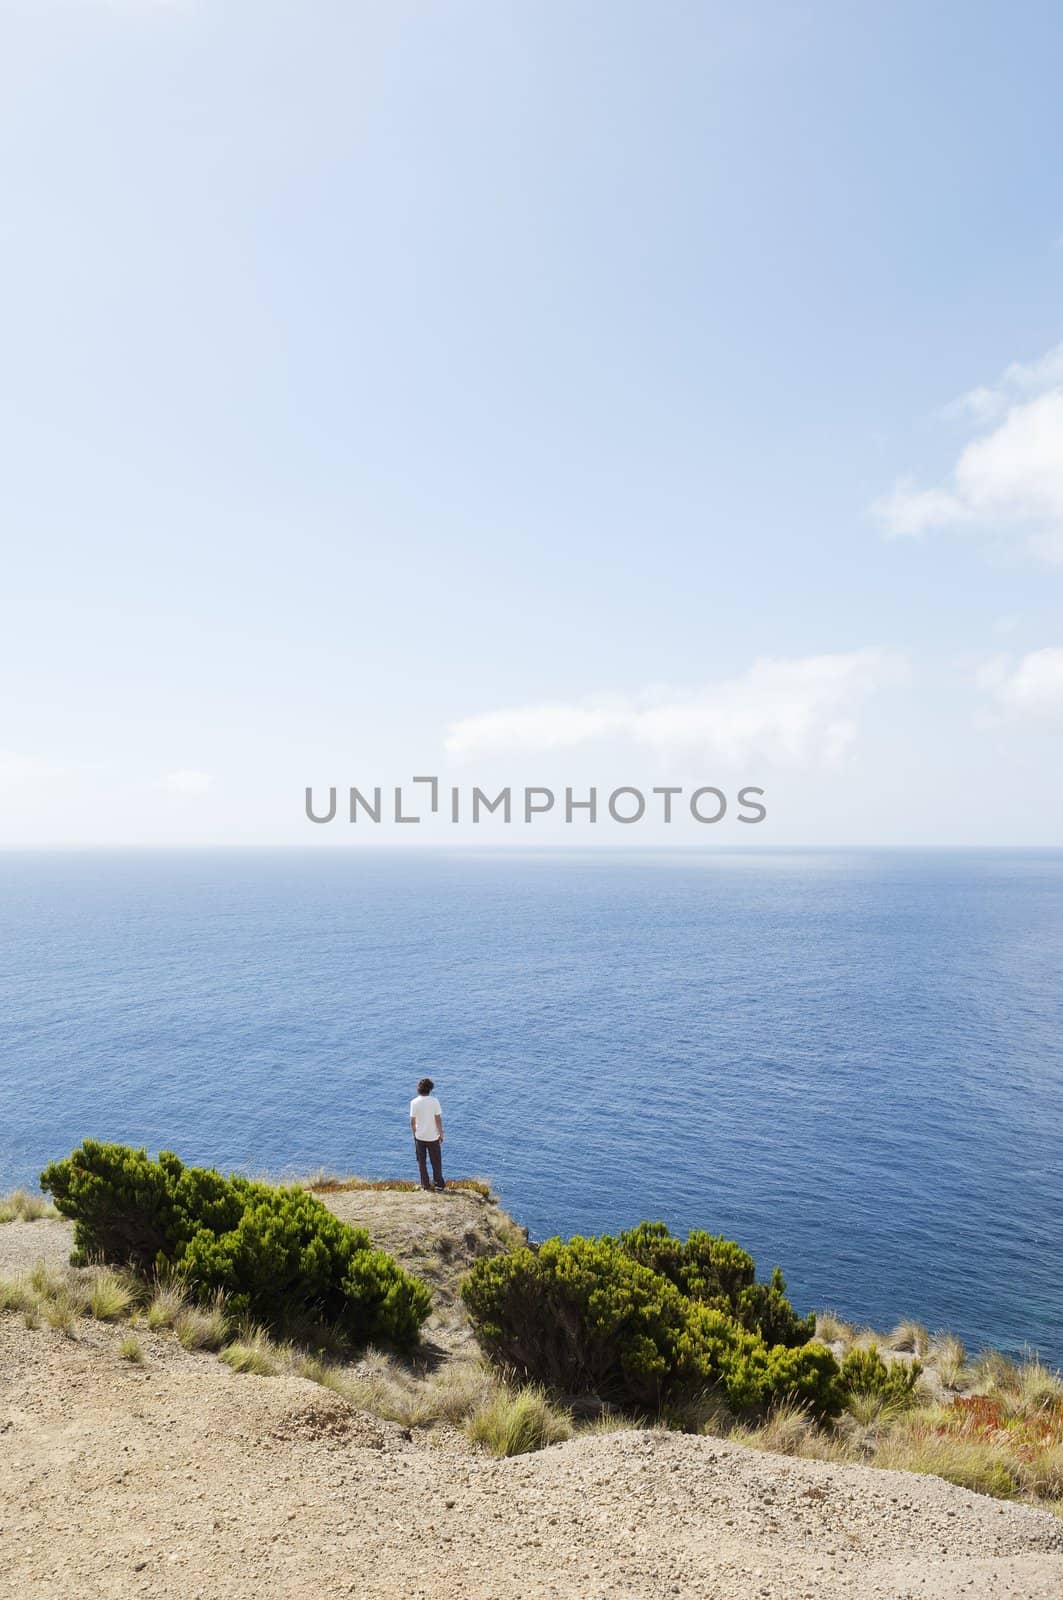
[(435, 1150), (421, 1146)]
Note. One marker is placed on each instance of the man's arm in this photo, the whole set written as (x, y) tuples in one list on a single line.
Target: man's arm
[(413, 1126), (439, 1126)]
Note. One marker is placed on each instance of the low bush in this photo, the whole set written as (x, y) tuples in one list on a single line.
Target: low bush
[(277, 1254), (717, 1272), (891, 1385), (645, 1323)]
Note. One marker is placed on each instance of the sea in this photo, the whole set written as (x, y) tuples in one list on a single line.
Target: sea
[(849, 1061)]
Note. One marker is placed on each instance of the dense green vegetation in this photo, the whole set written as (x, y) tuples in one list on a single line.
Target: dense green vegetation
[(648, 1321), (277, 1255), (864, 1373)]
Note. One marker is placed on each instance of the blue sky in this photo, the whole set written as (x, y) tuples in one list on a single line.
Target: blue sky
[(553, 393)]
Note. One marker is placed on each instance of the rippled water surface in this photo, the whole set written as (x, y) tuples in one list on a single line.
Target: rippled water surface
[(851, 1062)]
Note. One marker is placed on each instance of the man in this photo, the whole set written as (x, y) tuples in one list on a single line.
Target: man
[(426, 1124)]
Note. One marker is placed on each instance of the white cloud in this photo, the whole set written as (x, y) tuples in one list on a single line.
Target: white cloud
[(187, 781), (1018, 381), (792, 711), (1009, 478), (908, 511), (1034, 684)]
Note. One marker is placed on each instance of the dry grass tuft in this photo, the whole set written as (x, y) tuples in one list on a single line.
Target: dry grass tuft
[(165, 1306), (22, 1206), (1042, 1476), (132, 1350), (316, 1370), (996, 1373), (199, 1328), (48, 1281), (18, 1294), (875, 1411), (321, 1183), (949, 1358), (978, 1464), (910, 1337), (61, 1311), (515, 1422), (1039, 1386), (389, 1390), (1004, 1440), (832, 1329), (866, 1339), (611, 1422), (452, 1394), (110, 1294), (786, 1431), (253, 1352)]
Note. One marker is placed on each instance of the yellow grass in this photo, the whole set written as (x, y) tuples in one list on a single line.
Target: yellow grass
[(202, 1329), (832, 1329), (22, 1206), (909, 1337), (515, 1422), (110, 1294), (321, 1183), (254, 1352), (165, 1306), (949, 1360), (61, 1312), (981, 1465)]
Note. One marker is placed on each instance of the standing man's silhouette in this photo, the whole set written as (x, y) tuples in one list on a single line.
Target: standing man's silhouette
[(426, 1125)]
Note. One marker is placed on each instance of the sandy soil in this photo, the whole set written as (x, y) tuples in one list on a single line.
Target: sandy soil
[(182, 1479)]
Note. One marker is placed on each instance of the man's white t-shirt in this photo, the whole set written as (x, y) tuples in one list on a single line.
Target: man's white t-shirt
[(424, 1110)]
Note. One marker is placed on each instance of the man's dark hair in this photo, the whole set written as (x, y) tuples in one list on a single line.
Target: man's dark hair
[(425, 1086)]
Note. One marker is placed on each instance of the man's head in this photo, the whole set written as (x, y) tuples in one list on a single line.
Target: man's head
[(425, 1086)]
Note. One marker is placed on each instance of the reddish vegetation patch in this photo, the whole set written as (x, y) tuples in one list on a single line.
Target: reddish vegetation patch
[(986, 1417)]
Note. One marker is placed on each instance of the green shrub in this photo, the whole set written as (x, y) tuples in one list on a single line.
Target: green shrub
[(719, 1273), (864, 1373), (610, 1318), (277, 1254), (753, 1374), (581, 1318)]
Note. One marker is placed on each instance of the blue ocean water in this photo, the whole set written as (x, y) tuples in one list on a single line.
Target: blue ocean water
[(852, 1062)]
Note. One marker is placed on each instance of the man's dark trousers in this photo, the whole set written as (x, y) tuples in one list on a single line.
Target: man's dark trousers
[(433, 1150)]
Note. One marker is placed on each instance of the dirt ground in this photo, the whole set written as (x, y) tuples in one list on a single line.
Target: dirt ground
[(179, 1478)]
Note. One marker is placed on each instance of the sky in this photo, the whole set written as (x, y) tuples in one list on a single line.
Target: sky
[(552, 394)]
